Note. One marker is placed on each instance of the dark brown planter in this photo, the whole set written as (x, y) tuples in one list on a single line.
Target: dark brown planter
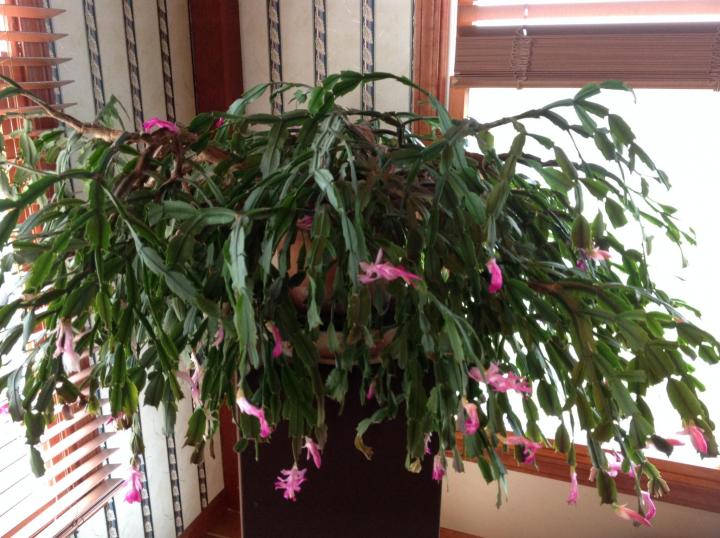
[(349, 497)]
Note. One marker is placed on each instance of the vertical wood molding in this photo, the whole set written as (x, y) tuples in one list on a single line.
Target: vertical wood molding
[(431, 50), (368, 51), (96, 76), (319, 41), (217, 63), (166, 60), (275, 52)]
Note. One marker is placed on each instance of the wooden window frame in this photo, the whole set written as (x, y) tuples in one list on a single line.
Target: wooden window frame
[(691, 485)]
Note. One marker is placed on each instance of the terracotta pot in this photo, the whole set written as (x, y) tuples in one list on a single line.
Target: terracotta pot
[(299, 294)]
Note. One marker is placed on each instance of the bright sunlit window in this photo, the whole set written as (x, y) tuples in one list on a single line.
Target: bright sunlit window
[(679, 130)]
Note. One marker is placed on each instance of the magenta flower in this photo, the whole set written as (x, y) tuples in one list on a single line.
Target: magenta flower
[(65, 346), (438, 471), (529, 447), (277, 338), (160, 124), (219, 123), (385, 271), (370, 391), (674, 442), (428, 436), (304, 223), (219, 336), (574, 490), (133, 486), (696, 437), (293, 479), (496, 277), (472, 422), (650, 509), (623, 512), (4, 412), (581, 264), (313, 451), (499, 382), (259, 413), (504, 382)]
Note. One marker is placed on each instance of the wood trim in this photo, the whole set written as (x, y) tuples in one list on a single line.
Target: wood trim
[(202, 524), (431, 51), (692, 486), (458, 105), (217, 63)]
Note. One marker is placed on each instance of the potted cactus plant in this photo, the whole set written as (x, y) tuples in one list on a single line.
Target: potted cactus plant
[(296, 266)]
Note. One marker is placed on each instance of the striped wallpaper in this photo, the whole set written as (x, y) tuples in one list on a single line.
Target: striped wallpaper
[(305, 40), (139, 52)]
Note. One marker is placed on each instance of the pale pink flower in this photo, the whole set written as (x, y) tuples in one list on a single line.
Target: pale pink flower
[(597, 254), (593, 474), (65, 346), (428, 436), (500, 382), (496, 277), (304, 223), (438, 471), (623, 512), (696, 437), (277, 338), (160, 124), (370, 391), (133, 486), (257, 412), (313, 451), (291, 482), (472, 422), (219, 336), (385, 271), (194, 382), (650, 509), (529, 447), (574, 490)]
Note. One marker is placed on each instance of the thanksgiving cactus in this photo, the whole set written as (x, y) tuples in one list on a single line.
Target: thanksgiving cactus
[(164, 257)]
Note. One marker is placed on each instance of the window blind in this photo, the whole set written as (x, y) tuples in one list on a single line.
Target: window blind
[(648, 44), (77, 480)]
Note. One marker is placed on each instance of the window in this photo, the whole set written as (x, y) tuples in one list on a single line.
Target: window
[(76, 481)]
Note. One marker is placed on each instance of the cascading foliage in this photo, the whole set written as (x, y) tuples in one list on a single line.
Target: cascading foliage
[(258, 243)]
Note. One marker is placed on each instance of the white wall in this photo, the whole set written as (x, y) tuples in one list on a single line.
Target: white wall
[(537, 508)]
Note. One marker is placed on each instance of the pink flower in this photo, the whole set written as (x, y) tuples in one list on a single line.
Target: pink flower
[(574, 491), (219, 123), (696, 437), (597, 254), (385, 271), (674, 442), (293, 479), (503, 382), (160, 124), (650, 509), (438, 470), (249, 409), (472, 422), (219, 336), (428, 436), (581, 264), (4, 412), (194, 382), (496, 278), (370, 391), (593, 474), (277, 338), (133, 486), (65, 346), (304, 223), (623, 512), (530, 447), (313, 451), (476, 374)]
